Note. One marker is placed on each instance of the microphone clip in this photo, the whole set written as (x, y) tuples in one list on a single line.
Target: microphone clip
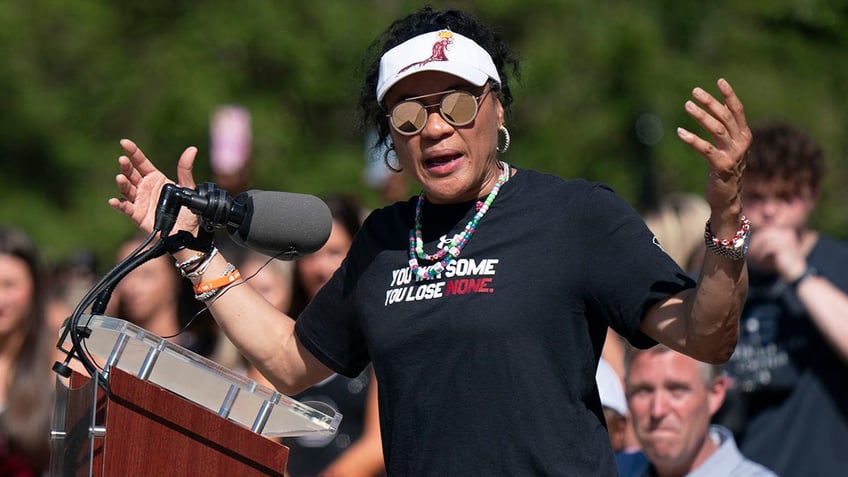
[(218, 207)]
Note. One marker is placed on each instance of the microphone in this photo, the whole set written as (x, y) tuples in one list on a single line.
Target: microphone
[(283, 225)]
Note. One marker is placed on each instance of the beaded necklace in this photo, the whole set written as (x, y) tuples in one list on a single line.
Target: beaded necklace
[(451, 251)]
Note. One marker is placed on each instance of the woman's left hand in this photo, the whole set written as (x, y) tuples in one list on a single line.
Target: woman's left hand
[(731, 137)]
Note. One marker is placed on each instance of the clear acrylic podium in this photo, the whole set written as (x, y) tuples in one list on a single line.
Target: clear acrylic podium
[(169, 411)]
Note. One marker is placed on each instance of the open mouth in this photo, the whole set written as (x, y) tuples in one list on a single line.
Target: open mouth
[(441, 161)]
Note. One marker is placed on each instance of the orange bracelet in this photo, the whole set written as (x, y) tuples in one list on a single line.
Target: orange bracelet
[(217, 283)]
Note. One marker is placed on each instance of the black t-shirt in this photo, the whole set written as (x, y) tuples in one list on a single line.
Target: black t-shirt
[(789, 403), (310, 454), (490, 368)]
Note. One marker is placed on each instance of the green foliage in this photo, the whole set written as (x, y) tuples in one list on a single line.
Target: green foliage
[(597, 77)]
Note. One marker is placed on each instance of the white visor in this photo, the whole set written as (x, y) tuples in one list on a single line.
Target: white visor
[(442, 50)]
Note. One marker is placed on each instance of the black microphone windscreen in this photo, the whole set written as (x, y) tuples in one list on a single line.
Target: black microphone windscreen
[(285, 225)]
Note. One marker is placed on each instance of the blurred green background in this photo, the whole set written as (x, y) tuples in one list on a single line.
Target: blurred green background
[(601, 94)]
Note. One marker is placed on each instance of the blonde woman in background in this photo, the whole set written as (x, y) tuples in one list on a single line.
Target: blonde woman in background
[(678, 224)]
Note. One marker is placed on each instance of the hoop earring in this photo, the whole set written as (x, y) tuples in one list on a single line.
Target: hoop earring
[(392, 168), (505, 131)]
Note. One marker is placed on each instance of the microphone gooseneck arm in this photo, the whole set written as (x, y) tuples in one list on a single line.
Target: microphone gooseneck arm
[(279, 224), (171, 199)]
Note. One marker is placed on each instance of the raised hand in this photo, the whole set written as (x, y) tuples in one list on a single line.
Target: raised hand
[(140, 183), (730, 137)]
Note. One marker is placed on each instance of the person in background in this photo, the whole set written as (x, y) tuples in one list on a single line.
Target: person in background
[(68, 282), (26, 382), (677, 222), (789, 402), (614, 404), (273, 279), (230, 147), (672, 398), (230, 162), (154, 297), (487, 297), (355, 449), (381, 173)]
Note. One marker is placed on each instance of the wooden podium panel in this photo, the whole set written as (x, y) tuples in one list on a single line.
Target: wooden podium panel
[(151, 431), (169, 411)]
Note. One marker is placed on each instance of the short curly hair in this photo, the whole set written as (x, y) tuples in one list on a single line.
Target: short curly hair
[(423, 21), (783, 154)]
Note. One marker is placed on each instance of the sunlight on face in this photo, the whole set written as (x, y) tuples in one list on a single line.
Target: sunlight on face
[(670, 406), (451, 163), (316, 269)]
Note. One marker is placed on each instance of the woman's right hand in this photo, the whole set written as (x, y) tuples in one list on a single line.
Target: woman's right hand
[(140, 183)]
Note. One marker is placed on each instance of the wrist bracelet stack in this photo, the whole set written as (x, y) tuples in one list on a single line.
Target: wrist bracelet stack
[(206, 290), (195, 266), (735, 248)]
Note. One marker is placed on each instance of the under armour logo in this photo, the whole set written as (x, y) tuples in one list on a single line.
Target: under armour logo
[(444, 243), (658, 244)]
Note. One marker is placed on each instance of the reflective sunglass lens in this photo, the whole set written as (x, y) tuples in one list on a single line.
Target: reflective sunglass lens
[(459, 108), (409, 117)]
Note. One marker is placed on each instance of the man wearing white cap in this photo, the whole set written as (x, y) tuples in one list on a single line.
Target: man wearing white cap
[(614, 403), (483, 302)]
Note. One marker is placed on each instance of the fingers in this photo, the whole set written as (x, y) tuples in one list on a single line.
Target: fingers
[(121, 205), (128, 171), (125, 187), (733, 103), (135, 166), (724, 121), (137, 158), (184, 167), (698, 144), (716, 119)]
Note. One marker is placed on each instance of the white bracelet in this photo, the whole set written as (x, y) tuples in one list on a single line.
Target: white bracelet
[(201, 269), (183, 266)]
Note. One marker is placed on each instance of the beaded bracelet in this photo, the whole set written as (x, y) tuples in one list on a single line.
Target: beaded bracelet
[(735, 248), (206, 290)]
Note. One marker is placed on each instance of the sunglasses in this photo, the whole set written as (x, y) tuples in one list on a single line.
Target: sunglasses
[(457, 107)]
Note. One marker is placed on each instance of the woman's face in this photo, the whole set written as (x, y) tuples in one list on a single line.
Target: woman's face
[(316, 269), (17, 288), (148, 289), (271, 282), (451, 163)]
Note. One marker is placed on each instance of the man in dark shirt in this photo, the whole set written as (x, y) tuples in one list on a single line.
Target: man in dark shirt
[(789, 403)]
